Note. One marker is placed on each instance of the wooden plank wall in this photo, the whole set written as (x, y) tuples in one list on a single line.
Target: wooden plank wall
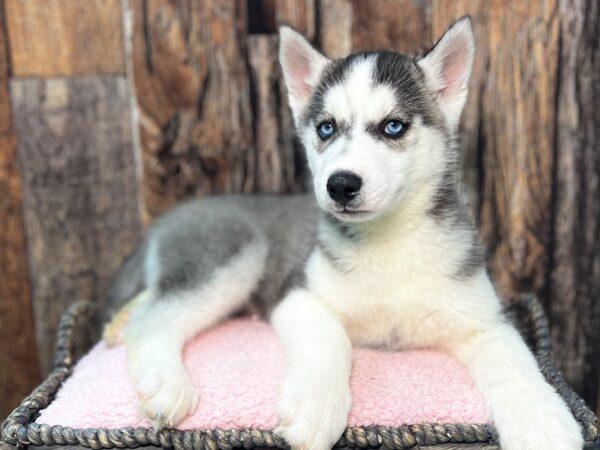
[(573, 289), (122, 108), (19, 371)]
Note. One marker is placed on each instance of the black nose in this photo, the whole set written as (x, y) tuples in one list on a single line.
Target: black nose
[(343, 186)]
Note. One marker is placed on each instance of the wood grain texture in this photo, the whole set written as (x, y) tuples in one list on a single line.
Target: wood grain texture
[(80, 190), (299, 14), (19, 370), (190, 75), (507, 132), (5, 119), (335, 27), (399, 25), (575, 277), (65, 37), (278, 164)]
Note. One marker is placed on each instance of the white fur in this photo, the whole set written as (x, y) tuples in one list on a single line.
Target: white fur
[(358, 98), (315, 397), (526, 410), (155, 343), (398, 293)]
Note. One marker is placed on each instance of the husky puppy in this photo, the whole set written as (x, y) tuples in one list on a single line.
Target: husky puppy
[(387, 256)]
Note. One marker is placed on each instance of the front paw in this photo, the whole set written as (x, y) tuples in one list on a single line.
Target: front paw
[(313, 415), (166, 396), (541, 425)]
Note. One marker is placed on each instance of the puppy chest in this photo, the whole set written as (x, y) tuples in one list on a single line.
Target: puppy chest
[(389, 311)]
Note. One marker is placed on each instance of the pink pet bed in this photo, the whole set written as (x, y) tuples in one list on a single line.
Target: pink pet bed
[(238, 367)]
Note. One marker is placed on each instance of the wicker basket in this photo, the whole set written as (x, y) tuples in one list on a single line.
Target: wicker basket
[(19, 429)]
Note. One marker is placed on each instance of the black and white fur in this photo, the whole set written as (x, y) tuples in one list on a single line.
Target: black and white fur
[(397, 263)]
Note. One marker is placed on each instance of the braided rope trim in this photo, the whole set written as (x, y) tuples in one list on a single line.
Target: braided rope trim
[(20, 429)]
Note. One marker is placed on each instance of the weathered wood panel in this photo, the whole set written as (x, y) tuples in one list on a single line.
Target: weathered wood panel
[(278, 164), (80, 190), (299, 14), (335, 27), (347, 26), (508, 131), (65, 37), (18, 353), (19, 370), (574, 289), (5, 119), (191, 80), (400, 25)]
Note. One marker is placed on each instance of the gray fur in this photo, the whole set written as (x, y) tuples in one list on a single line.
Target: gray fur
[(348, 230), (329, 253), (400, 72), (335, 73), (396, 143), (474, 262), (448, 201), (451, 209), (290, 225), (129, 281), (189, 243)]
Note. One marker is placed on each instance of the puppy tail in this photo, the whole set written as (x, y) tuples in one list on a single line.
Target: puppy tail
[(128, 283)]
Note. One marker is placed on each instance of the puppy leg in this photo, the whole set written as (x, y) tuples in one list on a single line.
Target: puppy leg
[(158, 331), (315, 397), (528, 413)]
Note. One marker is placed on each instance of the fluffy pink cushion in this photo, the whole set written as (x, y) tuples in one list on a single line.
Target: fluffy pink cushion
[(238, 367)]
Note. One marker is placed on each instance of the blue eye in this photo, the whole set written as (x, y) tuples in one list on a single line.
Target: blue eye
[(325, 130), (394, 128)]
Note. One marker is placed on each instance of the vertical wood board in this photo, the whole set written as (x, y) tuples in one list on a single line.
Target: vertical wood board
[(398, 25), (19, 370), (335, 27), (507, 134), (574, 286), (279, 159), (190, 75), (299, 14), (80, 190)]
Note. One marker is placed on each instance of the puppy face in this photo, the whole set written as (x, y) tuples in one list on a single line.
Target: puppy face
[(376, 126), (371, 131)]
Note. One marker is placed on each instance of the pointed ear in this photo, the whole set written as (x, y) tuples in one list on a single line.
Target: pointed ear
[(448, 66), (302, 66)]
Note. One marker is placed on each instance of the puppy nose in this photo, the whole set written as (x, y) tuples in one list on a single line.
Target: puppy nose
[(343, 186)]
